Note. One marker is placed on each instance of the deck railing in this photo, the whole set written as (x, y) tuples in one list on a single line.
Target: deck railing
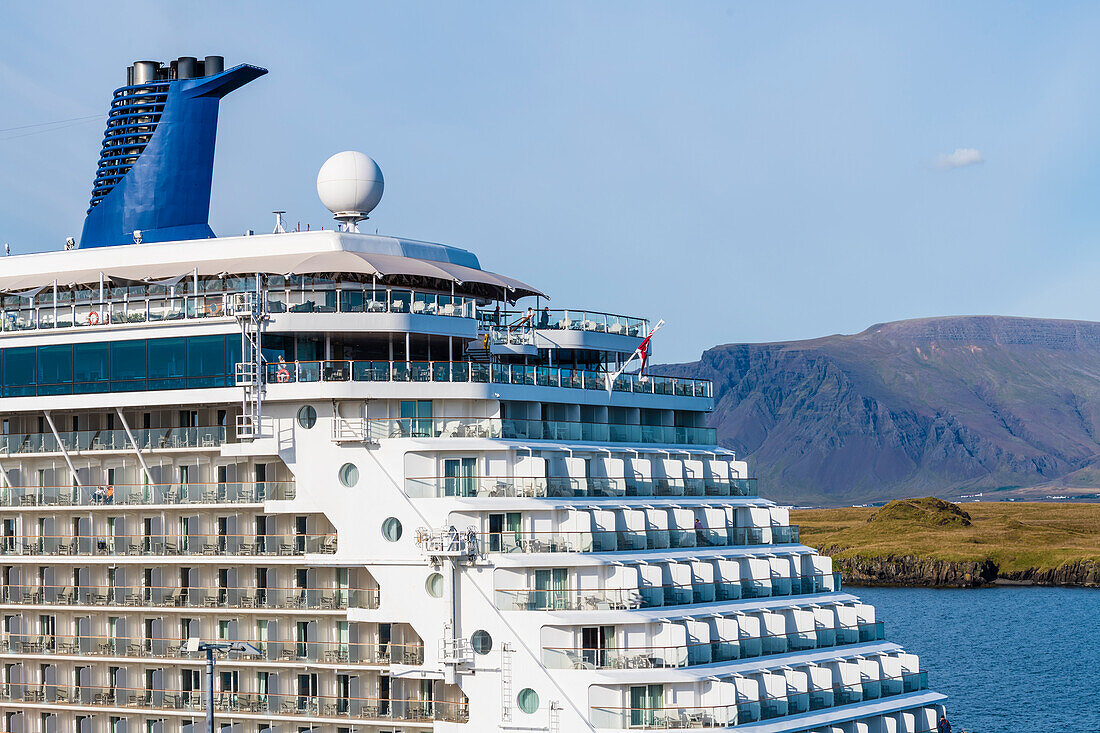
[(480, 373), (82, 441), (654, 596), (423, 487), (196, 597), (629, 540), (224, 492), (170, 544), (725, 650), (276, 704), (325, 652), (376, 429), (763, 708)]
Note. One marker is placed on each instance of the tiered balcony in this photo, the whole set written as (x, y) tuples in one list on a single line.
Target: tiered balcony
[(680, 594), (237, 545), (129, 700), (320, 652), (479, 373), (680, 655), (756, 708), (376, 429), (627, 540), (236, 492), (84, 441), (423, 487), (194, 597)]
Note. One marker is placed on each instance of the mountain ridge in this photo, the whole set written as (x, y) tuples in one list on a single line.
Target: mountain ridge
[(941, 406)]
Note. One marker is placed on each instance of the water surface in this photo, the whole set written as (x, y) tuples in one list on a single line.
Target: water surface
[(1012, 660)]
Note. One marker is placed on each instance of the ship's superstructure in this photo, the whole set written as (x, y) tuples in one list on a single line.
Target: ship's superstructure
[(412, 497)]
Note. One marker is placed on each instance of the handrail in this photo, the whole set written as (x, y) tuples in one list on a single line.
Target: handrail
[(289, 703), (221, 492), (762, 708), (608, 540), (79, 441), (352, 652), (421, 487), (344, 370), (167, 544), (192, 597), (681, 655)]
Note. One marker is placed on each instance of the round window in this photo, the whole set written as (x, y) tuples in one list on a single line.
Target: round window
[(391, 529), (349, 475), (307, 416), (481, 642), (434, 585), (528, 700)]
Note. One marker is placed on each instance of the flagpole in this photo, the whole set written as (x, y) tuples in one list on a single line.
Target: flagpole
[(610, 379)]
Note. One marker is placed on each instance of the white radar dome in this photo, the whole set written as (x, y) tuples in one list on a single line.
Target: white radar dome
[(350, 186)]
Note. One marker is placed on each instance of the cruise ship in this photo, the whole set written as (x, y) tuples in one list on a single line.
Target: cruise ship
[(382, 488)]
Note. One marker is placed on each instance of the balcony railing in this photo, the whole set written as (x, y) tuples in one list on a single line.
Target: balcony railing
[(289, 704), (80, 441), (516, 429), (480, 373), (535, 599), (764, 708), (231, 492), (655, 657), (554, 319), (165, 544), (324, 652), (423, 487), (196, 597), (119, 306), (629, 540)]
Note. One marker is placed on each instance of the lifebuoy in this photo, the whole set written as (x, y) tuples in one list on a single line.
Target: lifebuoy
[(93, 318), (282, 375)]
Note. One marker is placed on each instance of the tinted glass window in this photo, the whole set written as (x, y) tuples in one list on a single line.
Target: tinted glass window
[(205, 359), (127, 360), (166, 359), (55, 364), (90, 362)]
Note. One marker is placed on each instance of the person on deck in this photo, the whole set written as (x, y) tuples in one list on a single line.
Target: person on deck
[(944, 726)]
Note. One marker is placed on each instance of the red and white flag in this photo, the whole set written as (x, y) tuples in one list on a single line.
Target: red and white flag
[(642, 351)]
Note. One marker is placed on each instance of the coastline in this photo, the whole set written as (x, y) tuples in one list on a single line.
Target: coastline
[(932, 543)]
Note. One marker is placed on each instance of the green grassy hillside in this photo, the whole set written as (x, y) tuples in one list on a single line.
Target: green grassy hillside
[(1016, 536)]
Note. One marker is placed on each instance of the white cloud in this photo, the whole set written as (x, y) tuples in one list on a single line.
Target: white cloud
[(961, 158)]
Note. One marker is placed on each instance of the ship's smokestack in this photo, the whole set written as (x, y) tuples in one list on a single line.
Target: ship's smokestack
[(157, 161)]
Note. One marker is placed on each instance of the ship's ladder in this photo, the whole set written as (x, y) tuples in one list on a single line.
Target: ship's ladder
[(249, 308), (506, 681)]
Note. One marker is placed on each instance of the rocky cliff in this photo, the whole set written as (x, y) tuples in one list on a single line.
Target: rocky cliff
[(945, 406), (910, 570)]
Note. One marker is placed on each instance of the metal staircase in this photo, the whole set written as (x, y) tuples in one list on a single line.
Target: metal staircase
[(250, 312)]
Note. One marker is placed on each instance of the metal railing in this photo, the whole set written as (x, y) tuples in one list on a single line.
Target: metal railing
[(196, 597), (480, 373), (375, 429), (763, 708), (170, 544), (628, 540), (725, 650), (277, 704), (564, 487), (81, 441), (325, 652), (226, 492), (537, 599), (556, 319)]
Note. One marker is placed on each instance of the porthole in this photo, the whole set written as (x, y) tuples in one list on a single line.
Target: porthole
[(307, 416), (527, 700), (349, 475), (481, 642), (434, 585), (391, 529)]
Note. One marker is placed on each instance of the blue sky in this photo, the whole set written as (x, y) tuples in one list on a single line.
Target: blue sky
[(748, 172)]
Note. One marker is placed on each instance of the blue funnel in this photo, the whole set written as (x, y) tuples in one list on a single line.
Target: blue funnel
[(157, 160)]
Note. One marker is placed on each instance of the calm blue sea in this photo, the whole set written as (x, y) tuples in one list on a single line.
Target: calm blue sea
[(1012, 660)]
